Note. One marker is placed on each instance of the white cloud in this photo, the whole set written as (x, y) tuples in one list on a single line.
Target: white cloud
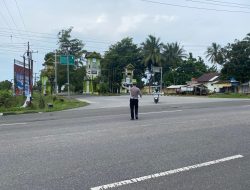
[(101, 19), (164, 18), (129, 23)]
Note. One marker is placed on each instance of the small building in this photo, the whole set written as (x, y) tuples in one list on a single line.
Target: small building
[(208, 80), (222, 86), (173, 89), (245, 88)]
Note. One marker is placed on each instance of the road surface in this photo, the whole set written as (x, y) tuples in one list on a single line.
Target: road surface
[(182, 143)]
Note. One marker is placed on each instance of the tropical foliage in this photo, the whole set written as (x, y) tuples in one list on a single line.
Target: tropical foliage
[(67, 46), (117, 58), (151, 50), (237, 64), (178, 66)]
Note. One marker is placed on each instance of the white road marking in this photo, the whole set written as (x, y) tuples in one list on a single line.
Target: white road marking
[(166, 173), (159, 112), (9, 124)]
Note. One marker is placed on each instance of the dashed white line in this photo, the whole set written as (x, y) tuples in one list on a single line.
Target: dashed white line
[(9, 124), (145, 113), (166, 173)]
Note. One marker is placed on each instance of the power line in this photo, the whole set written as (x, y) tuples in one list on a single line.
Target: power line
[(193, 7), (219, 4), (224, 2), (36, 34), (20, 15), (10, 14), (6, 22)]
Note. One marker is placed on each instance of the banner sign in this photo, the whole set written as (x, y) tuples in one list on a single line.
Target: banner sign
[(156, 69), (19, 79)]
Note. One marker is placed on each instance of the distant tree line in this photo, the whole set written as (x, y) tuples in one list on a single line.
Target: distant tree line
[(178, 66)]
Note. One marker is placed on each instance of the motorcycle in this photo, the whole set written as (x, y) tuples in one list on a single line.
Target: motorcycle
[(156, 97)]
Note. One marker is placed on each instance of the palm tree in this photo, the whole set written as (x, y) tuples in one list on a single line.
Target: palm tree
[(247, 38), (173, 55), (151, 50), (214, 54)]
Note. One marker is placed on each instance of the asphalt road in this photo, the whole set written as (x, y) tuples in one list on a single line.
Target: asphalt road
[(179, 144)]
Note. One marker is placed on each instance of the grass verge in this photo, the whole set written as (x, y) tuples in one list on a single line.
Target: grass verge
[(41, 104)]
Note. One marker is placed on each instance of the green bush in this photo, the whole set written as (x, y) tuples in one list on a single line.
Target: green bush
[(5, 99), (103, 88), (41, 103)]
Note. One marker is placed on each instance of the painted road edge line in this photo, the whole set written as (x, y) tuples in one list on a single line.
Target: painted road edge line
[(9, 124), (166, 173)]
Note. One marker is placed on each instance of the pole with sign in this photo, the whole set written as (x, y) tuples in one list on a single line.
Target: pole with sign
[(69, 60)]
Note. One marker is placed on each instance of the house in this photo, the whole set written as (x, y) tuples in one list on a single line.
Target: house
[(245, 88), (173, 89), (208, 80), (222, 86)]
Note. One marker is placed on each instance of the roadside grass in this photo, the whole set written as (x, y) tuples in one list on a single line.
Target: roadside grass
[(230, 95), (57, 103)]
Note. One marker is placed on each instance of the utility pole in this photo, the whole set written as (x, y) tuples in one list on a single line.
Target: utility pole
[(23, 75), (56, 88), (161, 81), (29, 64), (35, 78), (68, 70)]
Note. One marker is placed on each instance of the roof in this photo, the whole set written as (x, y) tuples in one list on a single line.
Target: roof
[(93, 55), (222, 82), (175, 86), (208, 77)]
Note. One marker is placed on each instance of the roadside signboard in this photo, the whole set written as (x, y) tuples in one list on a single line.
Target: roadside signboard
[(19, 79), (65, 58)]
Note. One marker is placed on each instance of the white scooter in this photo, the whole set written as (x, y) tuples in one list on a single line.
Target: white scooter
[(156, 97)]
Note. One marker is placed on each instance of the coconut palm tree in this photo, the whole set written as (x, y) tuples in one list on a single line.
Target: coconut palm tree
[(247, 38), (151, 50), (173, 55), (214, 54)]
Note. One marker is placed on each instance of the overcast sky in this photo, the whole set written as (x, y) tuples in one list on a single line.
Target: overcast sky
[(194, 24)]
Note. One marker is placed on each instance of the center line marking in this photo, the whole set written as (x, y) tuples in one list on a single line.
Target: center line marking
[(166, 173), (159, 112), (9, 124)]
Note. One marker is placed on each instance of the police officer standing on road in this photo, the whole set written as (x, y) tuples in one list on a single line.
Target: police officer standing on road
[(135, 92)]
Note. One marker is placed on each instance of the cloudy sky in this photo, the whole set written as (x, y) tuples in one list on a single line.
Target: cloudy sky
[(194, 24)]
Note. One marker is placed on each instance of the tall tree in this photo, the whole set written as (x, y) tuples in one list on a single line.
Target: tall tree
[(67, 46), (117, 58), (238, 61), (151, 50), (215, 54), (70, 46), (173, 56), (187, 69)]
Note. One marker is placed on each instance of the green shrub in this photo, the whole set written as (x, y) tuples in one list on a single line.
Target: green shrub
[(54, 98), (5, 99), (41, 103), (103, 88)]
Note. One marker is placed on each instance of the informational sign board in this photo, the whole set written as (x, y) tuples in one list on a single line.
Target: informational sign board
[(64, 59)]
